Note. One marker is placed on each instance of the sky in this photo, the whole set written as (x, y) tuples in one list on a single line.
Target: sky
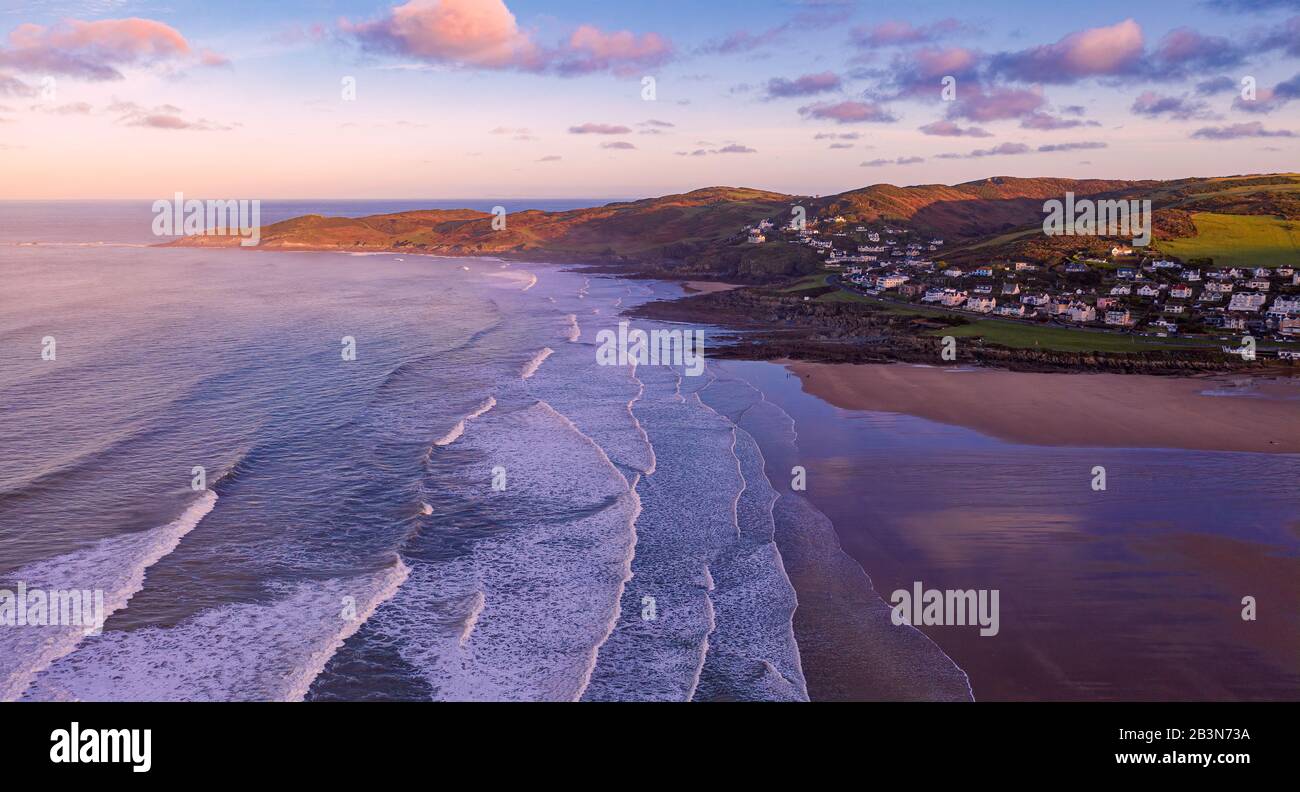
[(571, 99)]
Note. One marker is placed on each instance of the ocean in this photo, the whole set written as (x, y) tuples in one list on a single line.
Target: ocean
[(469, 507)]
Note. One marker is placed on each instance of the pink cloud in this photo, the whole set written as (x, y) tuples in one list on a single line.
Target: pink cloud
[(996, 104), (590, 50), (162, 117), (469, 32), (937, 62), (94, 50), (1102, 51), (484, 34)]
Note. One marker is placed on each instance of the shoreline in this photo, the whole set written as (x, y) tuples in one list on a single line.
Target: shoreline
[(1077, 410)]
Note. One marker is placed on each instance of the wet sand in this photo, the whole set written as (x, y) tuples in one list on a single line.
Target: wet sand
[(1081, 410), (1132, 593)]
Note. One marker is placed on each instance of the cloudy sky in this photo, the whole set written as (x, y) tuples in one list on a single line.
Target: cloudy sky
[(572, 98)]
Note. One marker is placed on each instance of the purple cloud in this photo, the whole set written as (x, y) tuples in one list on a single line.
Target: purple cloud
[(1046, 121), (945, 128), (877, 163), (1000, 150), (1252, 129), (851, 112), (1081, 146), (1152, 104), (1216, 85), (807, 85), (1269, 99), (894, 33), (731, 148), (590, 128)]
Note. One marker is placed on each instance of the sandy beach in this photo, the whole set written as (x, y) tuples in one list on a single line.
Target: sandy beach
[(1131, 593), (1105, 410)]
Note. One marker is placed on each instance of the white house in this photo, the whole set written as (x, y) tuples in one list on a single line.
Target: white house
[(1285, 306), (1082, 312), (1246, 301)]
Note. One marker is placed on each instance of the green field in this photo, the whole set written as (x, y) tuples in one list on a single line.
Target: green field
[(806, 283), (1239, 241), (1027, 336)]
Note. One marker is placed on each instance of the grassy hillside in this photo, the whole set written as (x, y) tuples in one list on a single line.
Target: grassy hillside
[(1238, 240), (1235, 220), (974, 209)]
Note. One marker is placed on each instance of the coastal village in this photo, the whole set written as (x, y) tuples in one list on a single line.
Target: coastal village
[(1128, 291)]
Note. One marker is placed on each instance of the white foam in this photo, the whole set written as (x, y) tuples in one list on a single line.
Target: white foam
[(477, 602), (572, 332), (459, 429), (519, 614), (116, 565), (530, 368), (269, 651)]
